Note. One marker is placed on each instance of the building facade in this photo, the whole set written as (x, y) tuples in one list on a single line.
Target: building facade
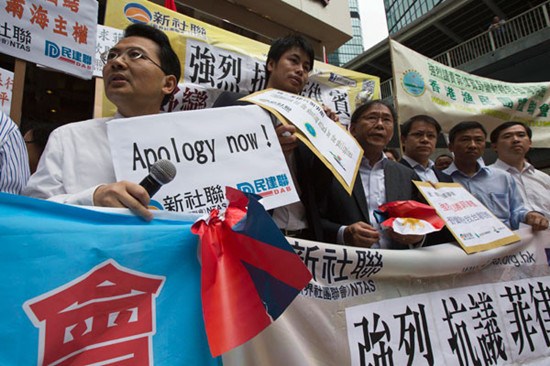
[(400, 13), (354, 46)]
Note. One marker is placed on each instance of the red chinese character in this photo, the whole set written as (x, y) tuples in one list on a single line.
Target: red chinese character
[(103, 316), (39, 16), (15, 7), (53, 2), (73, 5), (9, 84), (4, 98), (80, 33), (60, 26)]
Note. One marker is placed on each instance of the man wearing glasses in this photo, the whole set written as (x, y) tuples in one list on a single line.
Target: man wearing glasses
[(418, 138), (351, 220), (140, 74)]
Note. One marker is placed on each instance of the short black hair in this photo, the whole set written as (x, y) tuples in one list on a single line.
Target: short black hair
[(444, 155), (363, 107), (169, 60), (407, 125), (281, 45), (496, 132), (463, 126)]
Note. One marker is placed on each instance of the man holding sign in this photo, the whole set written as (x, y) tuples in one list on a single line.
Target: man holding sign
[(494, 188), (289, 61), (141, 72), (351, 220)]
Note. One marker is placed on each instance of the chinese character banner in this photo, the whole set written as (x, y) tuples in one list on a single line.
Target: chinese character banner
[(428, 306), (88, 287), (6, 88), (215, 60), (58, 34), (424, 86)]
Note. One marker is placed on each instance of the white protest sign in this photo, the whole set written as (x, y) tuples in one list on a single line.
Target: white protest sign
[(211, 149), (106, 38), (57, 34), (6, 87), (471, 223), (330, 142)]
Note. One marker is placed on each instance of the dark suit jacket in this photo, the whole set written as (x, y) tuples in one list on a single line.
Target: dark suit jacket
[(304, 159), (442, 177), (338, 208)]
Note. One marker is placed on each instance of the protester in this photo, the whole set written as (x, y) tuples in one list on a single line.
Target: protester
[(289, 61), (14, 162), (141, 72), (443, 161), (418, 138), (391, 154), (512, 141), (494, 188), (349, 219)]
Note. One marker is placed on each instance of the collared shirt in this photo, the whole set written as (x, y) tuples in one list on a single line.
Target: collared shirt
[(292, 216), (76, 160), (427, 174), (14, 160), (374, 186), (533, 185), (495, 189)]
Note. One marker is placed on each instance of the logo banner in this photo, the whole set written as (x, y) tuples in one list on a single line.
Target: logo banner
[(88, 287), (424, 86), (60, 35)]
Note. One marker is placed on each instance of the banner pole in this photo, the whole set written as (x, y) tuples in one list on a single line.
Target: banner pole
[(17, 91)]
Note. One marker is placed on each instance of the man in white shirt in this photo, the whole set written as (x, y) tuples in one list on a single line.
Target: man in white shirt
[(418, 138), (141, 72), (511, 141)]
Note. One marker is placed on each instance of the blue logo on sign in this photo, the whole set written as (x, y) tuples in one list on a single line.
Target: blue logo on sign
[(310, 129), (413, 83)]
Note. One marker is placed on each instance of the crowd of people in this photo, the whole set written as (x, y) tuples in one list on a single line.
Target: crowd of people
[(142, 71)]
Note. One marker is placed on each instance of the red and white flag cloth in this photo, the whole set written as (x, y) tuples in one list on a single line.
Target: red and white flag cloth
[(411, 217)]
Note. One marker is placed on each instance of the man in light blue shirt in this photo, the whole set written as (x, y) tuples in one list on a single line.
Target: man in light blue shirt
[(14, 161), (494, 188)]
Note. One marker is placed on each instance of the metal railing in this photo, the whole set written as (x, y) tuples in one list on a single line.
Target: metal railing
[(489, 41)]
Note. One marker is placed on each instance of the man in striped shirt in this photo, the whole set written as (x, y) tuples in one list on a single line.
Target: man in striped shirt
[(14, 161)]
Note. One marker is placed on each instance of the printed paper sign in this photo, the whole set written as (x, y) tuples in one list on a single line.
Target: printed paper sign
[(330, 142), (211, 149), (106, 38), (471, 223), (57, 34), (6, 87)]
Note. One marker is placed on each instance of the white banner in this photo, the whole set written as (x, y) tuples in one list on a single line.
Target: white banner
[(424, 86), (211, 149), (428, 306), (6, 88), (57, 34)]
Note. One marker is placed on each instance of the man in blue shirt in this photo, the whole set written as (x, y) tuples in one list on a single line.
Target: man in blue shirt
[(494, 188), (14, 161)]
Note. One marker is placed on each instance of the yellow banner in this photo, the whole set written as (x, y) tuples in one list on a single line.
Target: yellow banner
[(215, 60)]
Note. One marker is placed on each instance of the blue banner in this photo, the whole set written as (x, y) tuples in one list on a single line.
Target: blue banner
[(81, 287)]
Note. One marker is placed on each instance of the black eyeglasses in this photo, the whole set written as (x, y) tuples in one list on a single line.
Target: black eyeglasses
[(132, 54)]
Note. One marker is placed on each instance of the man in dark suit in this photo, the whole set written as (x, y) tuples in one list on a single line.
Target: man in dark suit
[(418, 138), (289, 61), (349, 219)]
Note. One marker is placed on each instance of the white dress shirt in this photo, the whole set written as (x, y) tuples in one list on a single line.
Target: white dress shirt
[(426, 174), (76, 160), (533, 185)]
